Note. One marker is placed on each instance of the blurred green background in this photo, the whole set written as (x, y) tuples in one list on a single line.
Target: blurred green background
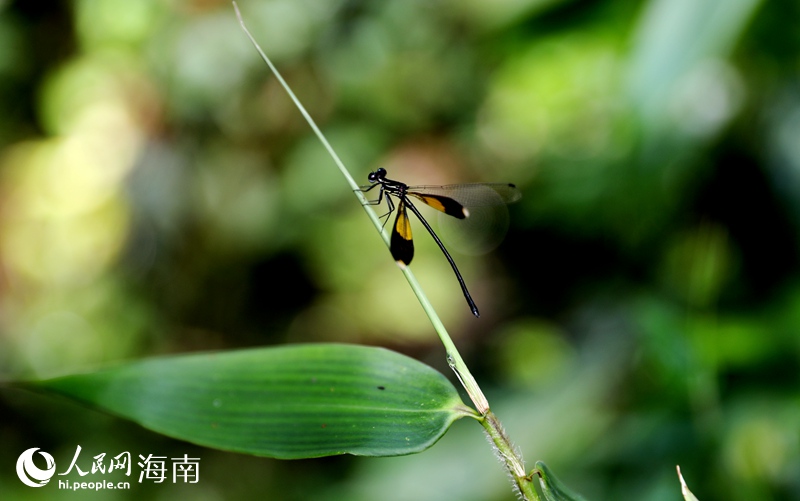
[(160, 194)]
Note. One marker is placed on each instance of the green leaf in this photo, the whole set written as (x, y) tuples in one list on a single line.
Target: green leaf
[(552, 488), (286, 402)]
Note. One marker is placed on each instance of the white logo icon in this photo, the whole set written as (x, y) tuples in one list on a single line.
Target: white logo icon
[(29, 473)]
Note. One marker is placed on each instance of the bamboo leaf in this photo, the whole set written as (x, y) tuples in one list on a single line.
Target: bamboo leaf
[(552, 488), (687, 494), (285, 402)]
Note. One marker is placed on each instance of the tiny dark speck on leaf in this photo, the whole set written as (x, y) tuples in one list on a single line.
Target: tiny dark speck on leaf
[(324, 425), (381, 387)]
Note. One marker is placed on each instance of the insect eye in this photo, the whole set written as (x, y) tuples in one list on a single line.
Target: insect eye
[(381, 172), (372, 177)]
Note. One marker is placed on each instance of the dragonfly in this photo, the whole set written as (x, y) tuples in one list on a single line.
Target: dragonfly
[(452, 199)]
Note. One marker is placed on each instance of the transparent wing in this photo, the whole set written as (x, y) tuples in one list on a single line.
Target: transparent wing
[(486, 221), (473, 194)]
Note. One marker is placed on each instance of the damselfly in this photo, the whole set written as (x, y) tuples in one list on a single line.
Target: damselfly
[(453, 199)]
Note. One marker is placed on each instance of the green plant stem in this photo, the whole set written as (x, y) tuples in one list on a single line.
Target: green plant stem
[(511, 458)]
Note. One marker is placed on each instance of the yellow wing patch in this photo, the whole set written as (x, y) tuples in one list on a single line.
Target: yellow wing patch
[(403, 224), (449, 206), (434, 202)]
